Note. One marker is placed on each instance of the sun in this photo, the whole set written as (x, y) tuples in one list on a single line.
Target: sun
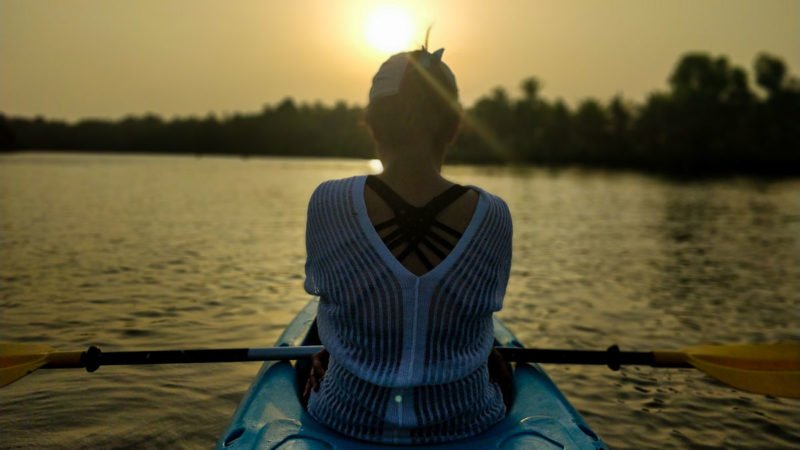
[(389, 28)]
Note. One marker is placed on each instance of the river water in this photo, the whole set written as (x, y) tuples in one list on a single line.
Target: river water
[(157, 252)]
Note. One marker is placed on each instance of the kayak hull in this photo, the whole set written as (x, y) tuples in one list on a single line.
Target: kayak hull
[(270, 415)]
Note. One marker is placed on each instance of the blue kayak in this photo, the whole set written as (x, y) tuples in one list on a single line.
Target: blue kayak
[(271, 417)]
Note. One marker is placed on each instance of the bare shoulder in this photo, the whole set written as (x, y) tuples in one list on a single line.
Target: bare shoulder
[(460, 212)]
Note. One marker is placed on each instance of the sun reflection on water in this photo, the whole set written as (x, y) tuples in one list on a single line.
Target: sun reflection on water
[(375, 166)]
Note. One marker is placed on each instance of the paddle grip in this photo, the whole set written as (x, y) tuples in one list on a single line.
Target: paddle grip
[(91, 359)]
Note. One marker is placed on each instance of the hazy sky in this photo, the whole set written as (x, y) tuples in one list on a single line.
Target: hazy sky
[(109, 58)]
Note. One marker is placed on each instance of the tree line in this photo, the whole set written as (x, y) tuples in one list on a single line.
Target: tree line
[(710, 120)]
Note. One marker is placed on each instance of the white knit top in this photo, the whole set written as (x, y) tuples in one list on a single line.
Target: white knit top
[(408, 352)]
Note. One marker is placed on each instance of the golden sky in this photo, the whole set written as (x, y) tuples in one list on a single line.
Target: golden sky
[(109, 58)]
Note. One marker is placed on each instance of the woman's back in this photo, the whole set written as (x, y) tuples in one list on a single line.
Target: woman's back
[(408, 351), (451, 219)]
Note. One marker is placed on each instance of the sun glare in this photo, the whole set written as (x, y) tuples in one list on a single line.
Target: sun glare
[(389, 28), (375, 166)]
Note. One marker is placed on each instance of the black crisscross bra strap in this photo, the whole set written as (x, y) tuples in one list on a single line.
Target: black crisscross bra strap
[(417, 226)]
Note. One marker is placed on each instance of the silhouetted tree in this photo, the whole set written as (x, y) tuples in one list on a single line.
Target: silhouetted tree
[(6, 134), (770, 73), (708, 121), (621, 117)]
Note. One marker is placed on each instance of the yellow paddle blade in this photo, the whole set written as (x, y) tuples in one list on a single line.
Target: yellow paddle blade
[(18, 360), (769, 369)]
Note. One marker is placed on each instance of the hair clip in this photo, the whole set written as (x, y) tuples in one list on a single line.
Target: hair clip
[(426, 58)]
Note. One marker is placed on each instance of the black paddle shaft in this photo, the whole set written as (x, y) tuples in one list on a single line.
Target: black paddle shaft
[(94, 358), (613, 357)]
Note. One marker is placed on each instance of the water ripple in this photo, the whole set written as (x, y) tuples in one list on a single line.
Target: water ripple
[(136, 252)]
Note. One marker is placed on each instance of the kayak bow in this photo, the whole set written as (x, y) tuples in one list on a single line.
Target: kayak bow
[(270, 415)]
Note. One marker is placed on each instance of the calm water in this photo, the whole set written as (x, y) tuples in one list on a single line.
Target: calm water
[(130, 252)]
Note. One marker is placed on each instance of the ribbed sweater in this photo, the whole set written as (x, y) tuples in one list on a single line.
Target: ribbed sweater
[(408, 353)]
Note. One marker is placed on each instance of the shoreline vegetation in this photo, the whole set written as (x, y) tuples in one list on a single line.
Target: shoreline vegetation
[(711, 121)]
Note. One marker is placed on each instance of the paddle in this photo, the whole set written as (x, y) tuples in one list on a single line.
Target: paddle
[(770, 369), (18, 360)]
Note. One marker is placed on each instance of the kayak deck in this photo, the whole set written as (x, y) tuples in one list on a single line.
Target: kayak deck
[(271, 417)]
